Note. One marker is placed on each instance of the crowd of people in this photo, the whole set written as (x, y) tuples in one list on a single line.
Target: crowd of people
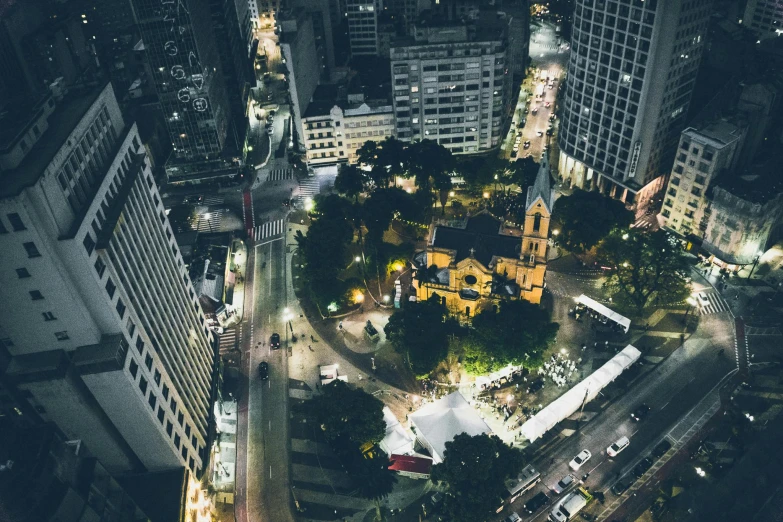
[(559, 368)]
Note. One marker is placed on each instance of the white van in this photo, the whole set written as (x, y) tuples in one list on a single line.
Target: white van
[(618, 446)]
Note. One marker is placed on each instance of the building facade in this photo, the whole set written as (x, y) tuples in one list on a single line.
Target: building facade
[(335, 137), (451, 88), (362, 16), (105, 333), (764, 18), (702, 154), (189, 79), (631, 73), (472, 265)]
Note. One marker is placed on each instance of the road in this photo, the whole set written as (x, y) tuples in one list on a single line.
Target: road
[(262, 463), (671, 390)]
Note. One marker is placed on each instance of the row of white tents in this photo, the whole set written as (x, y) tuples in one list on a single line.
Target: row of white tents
[(572, 400)]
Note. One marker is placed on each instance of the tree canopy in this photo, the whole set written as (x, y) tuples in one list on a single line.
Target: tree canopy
[(345, 412), (374, 479), (523, 172), (587, 217), (474, 469), (517, 333), (350, 181), (420, 331), (645, 268)]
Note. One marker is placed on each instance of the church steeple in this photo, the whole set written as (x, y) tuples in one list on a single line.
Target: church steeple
[(541, 189)]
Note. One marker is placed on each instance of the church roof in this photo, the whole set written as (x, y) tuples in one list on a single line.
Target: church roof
[(480, 238), (542, 188)]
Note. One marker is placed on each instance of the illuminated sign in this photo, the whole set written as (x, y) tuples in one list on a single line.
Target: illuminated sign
[(637, 149)]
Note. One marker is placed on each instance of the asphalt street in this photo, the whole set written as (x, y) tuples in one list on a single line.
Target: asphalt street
[(671, 389)]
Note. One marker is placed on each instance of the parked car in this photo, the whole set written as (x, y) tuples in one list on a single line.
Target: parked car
[(513, 517), (640, 413), (661, 449), (622, 485), (274, 341), (536, 503), (263, 370), (617, 447), (578, 461), (550, 131), (539, 133), (514, 153), (526, 144), (642, 467), (563, 484)]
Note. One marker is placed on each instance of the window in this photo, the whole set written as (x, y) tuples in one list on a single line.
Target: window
[(61, 336), (143, 385), (187, 430), (16, 222), (148, 362), (133, 367), (184, 452), (165, 392), (157, 377), (49, 316), (153, 401), (181, 418), (173, 405), (32, 251), (169, 428), (110, 287), (100, 267), (139, 345), (120, 308), (22, 273), (161, 415), (89, 243), (176, 440), (36, 295)]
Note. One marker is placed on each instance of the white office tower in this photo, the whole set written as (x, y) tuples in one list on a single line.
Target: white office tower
[(106, 336), (764, 18), (631, 73), (452, 85)]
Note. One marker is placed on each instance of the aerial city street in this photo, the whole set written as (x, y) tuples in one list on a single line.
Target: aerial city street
[(444, 261)]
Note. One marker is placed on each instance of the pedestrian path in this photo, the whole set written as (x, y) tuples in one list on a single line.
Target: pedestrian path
[(715, 303), (280, 174), (228, 340), (309, 188), (214, 199), (269, 229), (208, 222)]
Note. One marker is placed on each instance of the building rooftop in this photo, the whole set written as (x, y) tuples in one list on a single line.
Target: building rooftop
[(161, 495), (62, 122), (758, 183), (480, 238), (717, 133)]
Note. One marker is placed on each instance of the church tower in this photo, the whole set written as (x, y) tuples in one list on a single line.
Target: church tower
[(535, 235)]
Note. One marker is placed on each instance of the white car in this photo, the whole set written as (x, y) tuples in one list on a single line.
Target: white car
[(618, 446), (580, 459)]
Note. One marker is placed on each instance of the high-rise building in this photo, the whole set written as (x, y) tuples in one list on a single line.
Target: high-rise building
[(106, 335), (184, 56), (452, 88), (764, 17), (702, 154), (363, 26), (630, 78)]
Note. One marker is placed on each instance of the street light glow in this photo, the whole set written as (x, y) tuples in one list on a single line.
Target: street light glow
[(625, 236), (357, 259)]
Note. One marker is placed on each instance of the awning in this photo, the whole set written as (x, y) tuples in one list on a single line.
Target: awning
[(571, 401), (605, 311)]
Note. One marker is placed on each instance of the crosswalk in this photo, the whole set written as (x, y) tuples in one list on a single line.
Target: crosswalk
[(272, 228), (309, 188), (228, 340), (714, 304), (280, 174), (214, 199), (208, 222)]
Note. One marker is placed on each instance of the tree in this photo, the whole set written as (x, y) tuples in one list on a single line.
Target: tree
[(350, 181), (375, 479), (474, 469), (429, 162), (345, 412), (588, 217), (645, 268), (523, 172), (517, 333), (420, 331)]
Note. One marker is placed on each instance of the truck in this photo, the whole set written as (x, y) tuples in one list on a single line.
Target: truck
[(516, 487), (571, 504)]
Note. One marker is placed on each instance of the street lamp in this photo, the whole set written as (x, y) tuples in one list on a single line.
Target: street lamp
[(625, 236), (691, 304), (386, 298), (357, 259), (755, 262)]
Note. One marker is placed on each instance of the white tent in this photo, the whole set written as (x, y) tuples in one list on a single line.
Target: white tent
[(605, 311), (571, 401), (397, 441), (439, 422)]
